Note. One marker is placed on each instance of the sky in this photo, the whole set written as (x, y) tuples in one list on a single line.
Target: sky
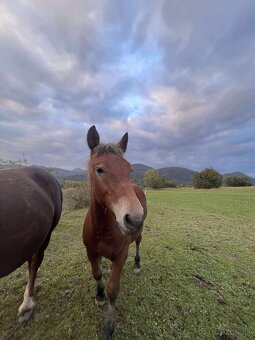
[(178, 76)]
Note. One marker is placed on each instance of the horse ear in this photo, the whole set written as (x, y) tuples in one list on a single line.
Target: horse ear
[(123, 142), (93, 138)]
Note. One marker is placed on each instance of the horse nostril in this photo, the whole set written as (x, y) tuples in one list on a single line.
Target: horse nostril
[(126, 219), (134, 221)]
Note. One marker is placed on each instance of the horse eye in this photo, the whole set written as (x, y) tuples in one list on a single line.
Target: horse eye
[(99, 170)]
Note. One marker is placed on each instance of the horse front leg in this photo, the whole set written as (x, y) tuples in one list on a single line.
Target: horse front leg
[(112, 292), (26, 308), (137, 266), (96, 264)]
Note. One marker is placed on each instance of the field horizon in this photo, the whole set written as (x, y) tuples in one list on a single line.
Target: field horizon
[(181, 175)]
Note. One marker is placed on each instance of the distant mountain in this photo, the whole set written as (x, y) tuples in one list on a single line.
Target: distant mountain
[(182, 176), (177, 174), (75, 174), (64, 174), (140, 167), (238, 174), (139, 171)]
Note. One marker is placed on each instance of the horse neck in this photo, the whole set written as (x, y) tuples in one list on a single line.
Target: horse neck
[(96, 208)]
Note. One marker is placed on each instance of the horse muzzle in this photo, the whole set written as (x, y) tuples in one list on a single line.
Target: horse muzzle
[(131, 224), (129, 218)]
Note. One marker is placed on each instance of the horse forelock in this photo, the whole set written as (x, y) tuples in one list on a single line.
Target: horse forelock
[(102, 149)]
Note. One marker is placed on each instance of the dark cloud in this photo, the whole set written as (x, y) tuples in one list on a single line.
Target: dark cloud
[(179, 77)]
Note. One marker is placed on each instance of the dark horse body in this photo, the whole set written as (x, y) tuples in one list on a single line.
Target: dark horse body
[(30, 208), (114, 219)]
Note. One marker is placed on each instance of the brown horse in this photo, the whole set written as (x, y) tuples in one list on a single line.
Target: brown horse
[(114, 219), (30, 208)]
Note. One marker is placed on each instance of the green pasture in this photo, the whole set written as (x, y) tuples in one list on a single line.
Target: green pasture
[(197, 279)]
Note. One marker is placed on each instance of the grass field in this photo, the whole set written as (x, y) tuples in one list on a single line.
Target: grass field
[(197, 279)]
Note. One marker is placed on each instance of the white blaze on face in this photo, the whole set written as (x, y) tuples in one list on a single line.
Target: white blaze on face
[(126, 207)]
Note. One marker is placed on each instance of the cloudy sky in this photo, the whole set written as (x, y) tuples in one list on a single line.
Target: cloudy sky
[(179, 76)]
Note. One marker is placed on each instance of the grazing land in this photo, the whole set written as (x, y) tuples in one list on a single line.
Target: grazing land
[(197, 279)]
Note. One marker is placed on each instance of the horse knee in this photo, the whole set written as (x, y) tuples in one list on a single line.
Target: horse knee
[(96, 267), (100, 295), (112, 291), (97, 274)]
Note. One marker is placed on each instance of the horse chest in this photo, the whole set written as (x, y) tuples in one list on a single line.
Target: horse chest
[(105, 243)]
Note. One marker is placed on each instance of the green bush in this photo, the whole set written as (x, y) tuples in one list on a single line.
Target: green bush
[(152, 179), (207, 179), (236, 181), (167, 183)]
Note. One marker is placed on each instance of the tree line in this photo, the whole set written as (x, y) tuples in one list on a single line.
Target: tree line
[(206, 179)]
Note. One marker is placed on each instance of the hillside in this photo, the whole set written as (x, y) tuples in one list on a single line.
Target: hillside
[(139, 170), (182, 176), (177, 174), (238, 174), (63, 174), (74, 175)]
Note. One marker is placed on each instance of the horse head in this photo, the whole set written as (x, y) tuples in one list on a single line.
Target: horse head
[(110, 182)]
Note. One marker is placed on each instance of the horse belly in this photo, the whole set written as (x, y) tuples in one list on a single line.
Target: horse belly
[(25, 221)]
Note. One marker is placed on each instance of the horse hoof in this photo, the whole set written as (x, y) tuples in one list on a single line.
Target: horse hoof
[(137, 270), (100, 301), (26, 315), (26, 309), (107, 337), (108, 330)]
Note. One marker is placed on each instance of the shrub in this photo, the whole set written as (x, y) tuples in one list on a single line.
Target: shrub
[(153, 180), (207, 179), (167, 183), (236, 181), (76, 197), (150, 179), (65, 184)]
